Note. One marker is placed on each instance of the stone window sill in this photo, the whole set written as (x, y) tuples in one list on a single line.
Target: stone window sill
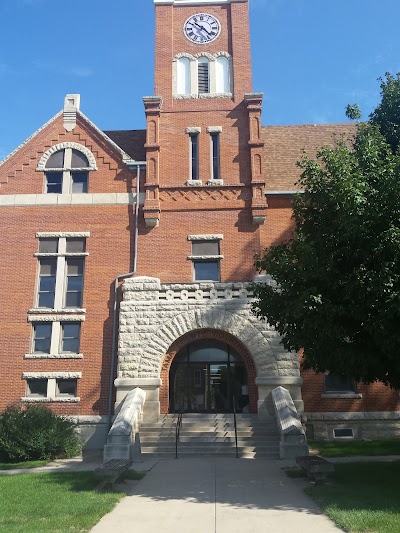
[(53, 356), (57, 399), (343, 395)]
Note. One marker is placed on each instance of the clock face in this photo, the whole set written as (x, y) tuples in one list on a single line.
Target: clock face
[(202, 28)]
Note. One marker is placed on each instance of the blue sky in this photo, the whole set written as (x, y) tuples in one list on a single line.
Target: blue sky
[(310, 58)]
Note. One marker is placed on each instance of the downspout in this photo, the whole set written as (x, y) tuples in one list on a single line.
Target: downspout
[(131, 164)]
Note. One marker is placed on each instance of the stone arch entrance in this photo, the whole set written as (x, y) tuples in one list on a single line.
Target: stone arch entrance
[(200, 335), (157, 319)]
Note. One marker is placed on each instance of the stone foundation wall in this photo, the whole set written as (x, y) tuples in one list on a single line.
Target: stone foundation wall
[(366, 425)]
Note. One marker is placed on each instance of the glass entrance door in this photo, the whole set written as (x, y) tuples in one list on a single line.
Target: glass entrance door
[(207, 377)]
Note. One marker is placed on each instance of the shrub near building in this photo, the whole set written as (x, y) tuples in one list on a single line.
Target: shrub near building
[(35, 432)]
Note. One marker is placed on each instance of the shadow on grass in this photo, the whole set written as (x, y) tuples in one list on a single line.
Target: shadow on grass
[(361, 496)]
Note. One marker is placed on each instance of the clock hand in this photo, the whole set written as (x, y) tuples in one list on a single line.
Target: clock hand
[(202, 28)]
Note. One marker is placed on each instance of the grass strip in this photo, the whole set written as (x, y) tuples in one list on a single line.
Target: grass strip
[(61, 502), (361, 497), (356, 447)]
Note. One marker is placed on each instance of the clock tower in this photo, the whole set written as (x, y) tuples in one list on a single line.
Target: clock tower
[(203, 124)]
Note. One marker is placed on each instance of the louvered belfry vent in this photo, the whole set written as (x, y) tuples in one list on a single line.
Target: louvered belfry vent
[(203, 77)]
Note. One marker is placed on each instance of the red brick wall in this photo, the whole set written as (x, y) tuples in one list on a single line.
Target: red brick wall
[(375, 397), (110, 253)]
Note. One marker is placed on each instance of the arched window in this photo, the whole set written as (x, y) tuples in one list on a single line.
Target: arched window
[(67, 171), (222, 75), (203, 74), (183, 76)]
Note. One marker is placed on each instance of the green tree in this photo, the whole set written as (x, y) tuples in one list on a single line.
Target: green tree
[(337, 292), (387, 114)]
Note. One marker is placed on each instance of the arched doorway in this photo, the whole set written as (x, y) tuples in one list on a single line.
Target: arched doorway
[(208, 376)]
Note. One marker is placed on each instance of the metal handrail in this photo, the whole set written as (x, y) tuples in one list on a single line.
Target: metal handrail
[(178, 427), (234, 422)]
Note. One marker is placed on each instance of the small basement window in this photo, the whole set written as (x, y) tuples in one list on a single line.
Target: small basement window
[(343, 433)]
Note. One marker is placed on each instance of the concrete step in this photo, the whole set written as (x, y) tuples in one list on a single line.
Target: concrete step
[(203, 435)]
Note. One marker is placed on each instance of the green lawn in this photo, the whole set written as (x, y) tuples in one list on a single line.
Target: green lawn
[(355, 447), (58, 502), (361, 497)]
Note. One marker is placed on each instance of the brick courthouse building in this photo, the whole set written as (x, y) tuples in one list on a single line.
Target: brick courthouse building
[(181, 208)]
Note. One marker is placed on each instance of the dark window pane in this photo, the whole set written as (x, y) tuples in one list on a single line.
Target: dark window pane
[(337, 383), (205, 248), (37, 387), (70, 337), (48, 267), (73, 299), (54, 182), (79, 182), (74, 283), (215, 155), (47, 282), (56, 160), (194, 146), (66, 387), (48, 246), (75, 245), (46, 299), (74, 267), (79, 160), (73, 296), (41, 338), (206, 270)]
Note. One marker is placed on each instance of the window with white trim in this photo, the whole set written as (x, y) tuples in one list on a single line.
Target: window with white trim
[(66, 388), (183, 75), (205, 258), (222, 75), (61, 266), (66, 172), (202, 75), (51, 386), (339, 384), (56, 338)]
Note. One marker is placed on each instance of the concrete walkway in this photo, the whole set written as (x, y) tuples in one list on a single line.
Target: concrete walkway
[(216, 495)]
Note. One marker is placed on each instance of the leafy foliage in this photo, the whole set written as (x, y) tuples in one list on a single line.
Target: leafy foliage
[(338, 279), (353, 112), (35, 432), (387, 113)]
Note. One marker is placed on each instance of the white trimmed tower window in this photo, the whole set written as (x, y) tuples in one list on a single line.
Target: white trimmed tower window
[(222, 75), (183, 76), (202, 75)]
